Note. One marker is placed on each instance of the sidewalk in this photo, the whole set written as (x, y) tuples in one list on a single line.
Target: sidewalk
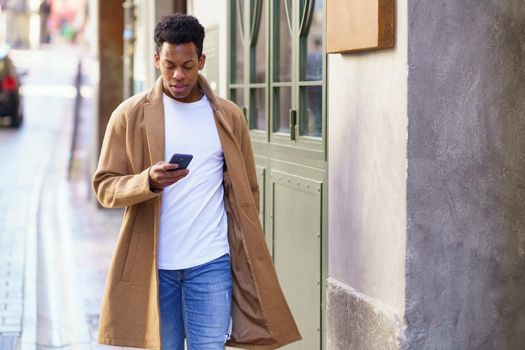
[(55, 243), (87, 235), (94, 229)]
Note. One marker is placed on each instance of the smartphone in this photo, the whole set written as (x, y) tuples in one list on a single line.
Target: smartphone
[(183, 160)]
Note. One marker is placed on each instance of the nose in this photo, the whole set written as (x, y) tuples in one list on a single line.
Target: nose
[(178, 74)]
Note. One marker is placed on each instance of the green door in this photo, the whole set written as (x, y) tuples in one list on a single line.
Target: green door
[(277, 75)]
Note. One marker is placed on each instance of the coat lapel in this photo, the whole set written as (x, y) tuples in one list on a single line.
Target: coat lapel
[(154, 120)]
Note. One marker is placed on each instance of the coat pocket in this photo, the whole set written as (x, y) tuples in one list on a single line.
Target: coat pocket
[(129, 261)]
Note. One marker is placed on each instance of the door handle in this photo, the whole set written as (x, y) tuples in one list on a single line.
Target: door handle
[(293, 124)]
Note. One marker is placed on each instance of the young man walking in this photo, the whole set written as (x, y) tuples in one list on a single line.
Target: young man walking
[(191, 255)]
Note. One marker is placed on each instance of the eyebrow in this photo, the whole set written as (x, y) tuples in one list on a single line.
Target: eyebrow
[(183, 63)]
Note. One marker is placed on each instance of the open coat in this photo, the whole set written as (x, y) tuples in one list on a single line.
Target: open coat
[(134, 141)]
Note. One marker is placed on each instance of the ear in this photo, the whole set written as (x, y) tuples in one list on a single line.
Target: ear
[(157, 60), (202, 61)]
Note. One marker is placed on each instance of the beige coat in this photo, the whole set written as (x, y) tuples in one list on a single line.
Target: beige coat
[(134, 141)]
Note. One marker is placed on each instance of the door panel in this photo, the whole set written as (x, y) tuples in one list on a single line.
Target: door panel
[(277, 76), (296, 208)]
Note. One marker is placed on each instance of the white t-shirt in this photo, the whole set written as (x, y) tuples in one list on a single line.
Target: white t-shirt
[(193, 223)]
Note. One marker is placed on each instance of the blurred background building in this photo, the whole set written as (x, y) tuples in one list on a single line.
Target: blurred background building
[(35, 22)]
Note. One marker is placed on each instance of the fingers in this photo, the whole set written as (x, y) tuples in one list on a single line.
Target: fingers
[(164, 166), (174, 175), (168, 166), (164, 174)]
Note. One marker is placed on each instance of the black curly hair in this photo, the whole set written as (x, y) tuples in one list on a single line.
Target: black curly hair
[(179, 29)]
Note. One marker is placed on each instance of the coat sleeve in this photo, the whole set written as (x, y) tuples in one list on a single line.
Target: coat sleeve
[(114, 186), (249, 162)]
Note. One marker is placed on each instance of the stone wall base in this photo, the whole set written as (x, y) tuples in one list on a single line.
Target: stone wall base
[(357, 322)]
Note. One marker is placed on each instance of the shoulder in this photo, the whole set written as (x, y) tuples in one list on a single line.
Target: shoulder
[(229, 107), (127, 111), (130, 105), (232, 112), (235, 117)]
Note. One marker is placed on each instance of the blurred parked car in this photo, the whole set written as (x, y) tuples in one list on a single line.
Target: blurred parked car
[(10, 100)]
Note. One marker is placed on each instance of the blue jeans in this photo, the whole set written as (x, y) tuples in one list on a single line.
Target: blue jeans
[(195, 304)]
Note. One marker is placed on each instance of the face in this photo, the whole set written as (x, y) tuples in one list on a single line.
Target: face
[(179, 66)]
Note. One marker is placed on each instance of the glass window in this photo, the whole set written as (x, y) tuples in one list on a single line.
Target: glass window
[(258, 65), (237, 96), (311, 112), (237, 44), (293, 32), (312, 41), (282, 42), (258, 51), (282, 103), (258, 108), (311, 69)]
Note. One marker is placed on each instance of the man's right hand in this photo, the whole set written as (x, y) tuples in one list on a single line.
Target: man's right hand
[(164, 174)]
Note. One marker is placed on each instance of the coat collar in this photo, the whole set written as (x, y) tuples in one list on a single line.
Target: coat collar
[(154, 117)]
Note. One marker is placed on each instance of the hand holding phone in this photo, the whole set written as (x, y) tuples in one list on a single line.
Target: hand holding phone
[(183, 160), (161, 176)]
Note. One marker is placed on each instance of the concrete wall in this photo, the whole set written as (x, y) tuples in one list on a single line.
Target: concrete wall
[(367, 127), (466, 175)]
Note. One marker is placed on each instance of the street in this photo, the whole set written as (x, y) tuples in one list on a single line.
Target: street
[(55, 244)]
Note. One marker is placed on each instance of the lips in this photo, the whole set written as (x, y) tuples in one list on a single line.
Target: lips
[(179, 88)]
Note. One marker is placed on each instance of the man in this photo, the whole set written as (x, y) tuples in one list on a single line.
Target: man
[(191, 251)]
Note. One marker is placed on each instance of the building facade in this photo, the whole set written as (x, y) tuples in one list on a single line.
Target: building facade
[(393, 180)]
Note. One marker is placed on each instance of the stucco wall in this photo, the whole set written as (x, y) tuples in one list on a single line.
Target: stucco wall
[(367, 127), (466, 175)]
